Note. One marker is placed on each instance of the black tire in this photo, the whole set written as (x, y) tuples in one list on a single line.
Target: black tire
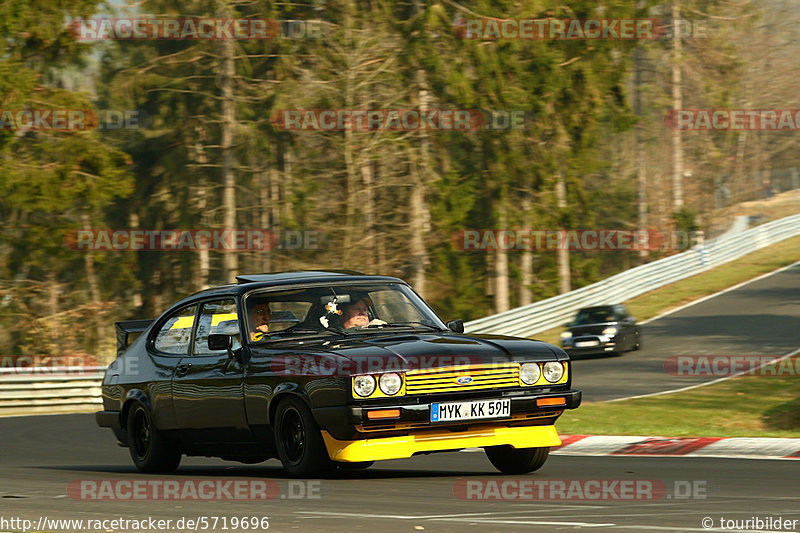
[(510, 460), (150, 450), (638, 345), (299, 441)]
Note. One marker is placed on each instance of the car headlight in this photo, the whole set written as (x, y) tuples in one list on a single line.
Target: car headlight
[(553, 371), (390, 383), (529, 373), (566, 334), (364, 385), (610, 331)]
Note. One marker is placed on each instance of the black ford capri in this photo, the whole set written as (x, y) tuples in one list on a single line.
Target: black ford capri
[(325, 370)]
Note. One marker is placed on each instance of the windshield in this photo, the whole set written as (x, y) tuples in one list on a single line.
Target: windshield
[(336, 309), (593, 316)]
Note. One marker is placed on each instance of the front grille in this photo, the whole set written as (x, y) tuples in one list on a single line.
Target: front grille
[(489, 376)]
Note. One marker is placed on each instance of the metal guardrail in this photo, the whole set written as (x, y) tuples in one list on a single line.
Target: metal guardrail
[(77, 389), (50, 390), (552, 312)]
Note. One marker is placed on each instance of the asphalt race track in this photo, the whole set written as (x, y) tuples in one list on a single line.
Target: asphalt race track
[(44, 455), (760, 318)]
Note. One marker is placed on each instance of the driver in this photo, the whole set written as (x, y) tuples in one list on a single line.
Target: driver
[(260, 316)]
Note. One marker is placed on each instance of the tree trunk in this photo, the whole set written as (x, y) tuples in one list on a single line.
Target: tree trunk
[(526, 260), (677, 104), (641, 175), (278, 173), (420, 216), (501, 297), (564, 277), (94, 290), (264, 186), (136, 299), (367, 177), (416, 220), (203, 254), (228, 177)]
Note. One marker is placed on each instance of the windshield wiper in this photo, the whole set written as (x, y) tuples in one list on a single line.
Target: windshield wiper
[(406, 325), (283, 336)]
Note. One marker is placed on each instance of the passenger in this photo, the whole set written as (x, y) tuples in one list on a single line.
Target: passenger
[(357, 315)]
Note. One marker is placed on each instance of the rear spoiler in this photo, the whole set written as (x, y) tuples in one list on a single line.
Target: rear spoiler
[(124, 330)]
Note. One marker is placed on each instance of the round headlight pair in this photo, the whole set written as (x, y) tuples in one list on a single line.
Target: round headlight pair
[(389, 383), (529, 372)]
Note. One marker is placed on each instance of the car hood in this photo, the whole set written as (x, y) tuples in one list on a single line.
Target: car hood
[(404, 351)]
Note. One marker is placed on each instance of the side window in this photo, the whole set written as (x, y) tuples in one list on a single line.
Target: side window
[(175, 335), (218, 316)]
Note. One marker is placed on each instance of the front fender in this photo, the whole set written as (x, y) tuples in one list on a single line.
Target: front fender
[(287, 389)]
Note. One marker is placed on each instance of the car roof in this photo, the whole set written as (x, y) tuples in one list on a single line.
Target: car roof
[(248, 282), (296, 275)]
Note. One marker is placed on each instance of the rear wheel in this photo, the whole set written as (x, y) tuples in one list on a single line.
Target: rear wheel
[(510, 460), (150, 450), (299, 440)]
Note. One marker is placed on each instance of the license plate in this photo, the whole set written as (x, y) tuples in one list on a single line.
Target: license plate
[(582, 344), (458, 411)]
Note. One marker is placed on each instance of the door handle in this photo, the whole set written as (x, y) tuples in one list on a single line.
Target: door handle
[(183, 369)]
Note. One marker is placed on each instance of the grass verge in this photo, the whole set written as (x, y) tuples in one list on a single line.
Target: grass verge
[(687, 290), (760, 405)]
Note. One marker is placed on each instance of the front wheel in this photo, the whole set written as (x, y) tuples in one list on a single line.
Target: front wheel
[(510, 460), (299, 440), (150, 450)]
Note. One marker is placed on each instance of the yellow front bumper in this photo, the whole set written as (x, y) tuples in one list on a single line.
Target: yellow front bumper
[(377, 449)]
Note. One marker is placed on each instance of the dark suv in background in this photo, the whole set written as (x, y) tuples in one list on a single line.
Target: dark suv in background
[(602, 329)]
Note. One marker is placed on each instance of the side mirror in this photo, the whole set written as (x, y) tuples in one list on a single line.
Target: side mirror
[(220, 341), (456, 326)]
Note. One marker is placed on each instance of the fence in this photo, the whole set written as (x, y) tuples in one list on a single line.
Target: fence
[(552, 312), (50, 390)]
